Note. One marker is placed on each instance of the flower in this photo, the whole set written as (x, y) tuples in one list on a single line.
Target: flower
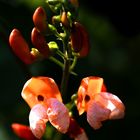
[(45, 101), (99, 104), (23, 131)]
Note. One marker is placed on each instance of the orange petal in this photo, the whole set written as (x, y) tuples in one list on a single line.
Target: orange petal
[(38, 118), (87, 90), (58, 115), (104, 89), (114, 104), (38, 89), (97, 113), (23, 131), (20, 46)]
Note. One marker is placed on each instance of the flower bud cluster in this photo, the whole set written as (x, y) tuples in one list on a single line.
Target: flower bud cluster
[(42, 93)]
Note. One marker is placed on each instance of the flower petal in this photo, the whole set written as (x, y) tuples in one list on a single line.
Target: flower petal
[(97, 113), (87, 90), (38, 118), (58, 115), (38, 89), (114, 104), (23, 131)]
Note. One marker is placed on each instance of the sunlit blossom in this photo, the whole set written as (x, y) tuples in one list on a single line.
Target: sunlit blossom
[(44, 98), (98, 104)]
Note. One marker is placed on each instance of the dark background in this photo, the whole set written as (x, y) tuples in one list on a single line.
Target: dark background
[(114, 31)]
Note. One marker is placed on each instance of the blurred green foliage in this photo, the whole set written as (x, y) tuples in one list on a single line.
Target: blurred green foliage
[(114, 55)]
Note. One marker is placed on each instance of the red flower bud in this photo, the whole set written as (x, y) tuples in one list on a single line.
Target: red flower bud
[(23, 131), (39, 42), (56, 19), (20, 46), (79, 39), (40, 19), (75, 131)]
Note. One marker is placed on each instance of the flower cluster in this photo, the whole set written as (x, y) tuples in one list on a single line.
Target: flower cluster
[(45, 101), (20, 46), (42, 94)]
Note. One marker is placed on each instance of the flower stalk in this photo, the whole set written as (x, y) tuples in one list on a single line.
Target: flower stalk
[(67, 63), (47, 101)]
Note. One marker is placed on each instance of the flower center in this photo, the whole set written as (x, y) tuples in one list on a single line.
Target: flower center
[(87, 98), (40, 98)]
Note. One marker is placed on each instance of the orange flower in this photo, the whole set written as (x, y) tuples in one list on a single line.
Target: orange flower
[(37, 90), (23, 131), (44, 98), (98, 104)]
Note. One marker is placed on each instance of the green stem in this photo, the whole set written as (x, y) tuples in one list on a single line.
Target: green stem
[(67, 63), (65, 76), (60, 54), (73, 63), (56, 61)]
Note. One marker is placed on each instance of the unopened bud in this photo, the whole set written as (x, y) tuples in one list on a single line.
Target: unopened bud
[(52, 29), (53, 46), (36, 54), (39, 42), (40, 20), (64, 19), (56, 19), (80, 39), (23, 131), (20, 46)]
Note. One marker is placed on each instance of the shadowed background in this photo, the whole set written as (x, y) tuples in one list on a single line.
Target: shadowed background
[(114, 31)]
